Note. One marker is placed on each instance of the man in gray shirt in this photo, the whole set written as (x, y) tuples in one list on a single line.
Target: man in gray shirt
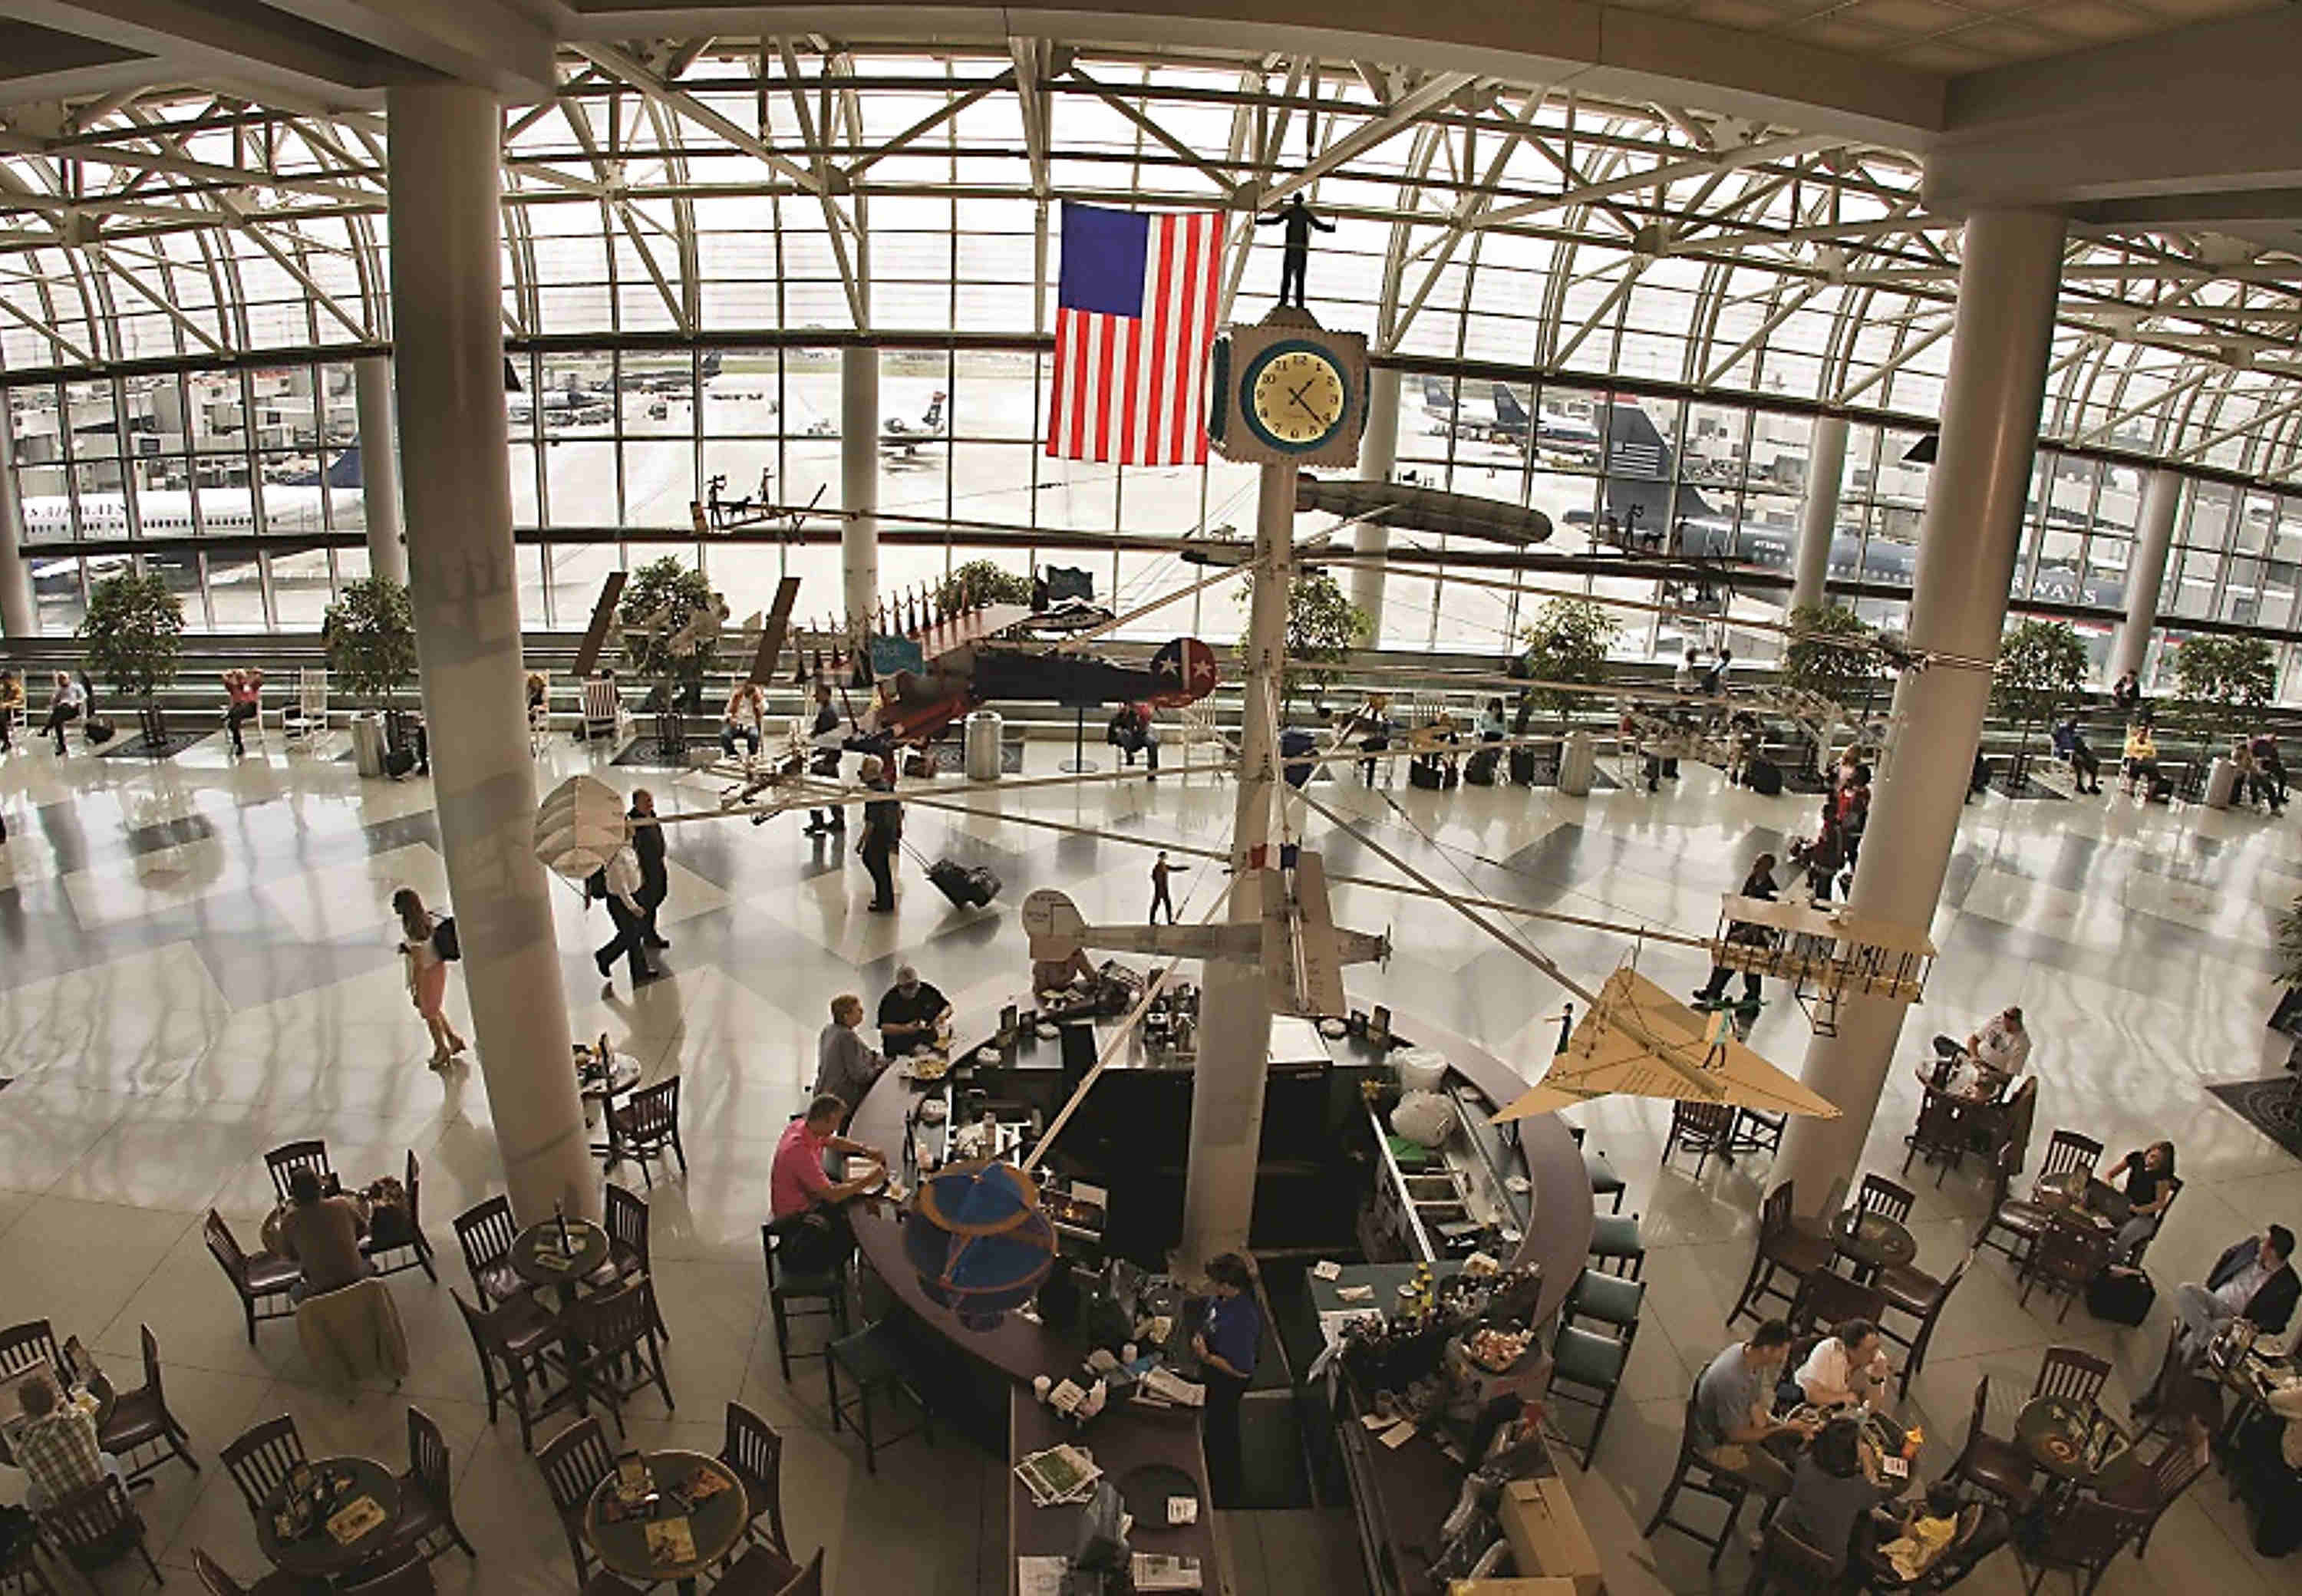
[(845, 1065), (1734, 1408)]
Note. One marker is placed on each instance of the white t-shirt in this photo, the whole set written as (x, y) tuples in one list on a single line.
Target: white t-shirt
[(2002, 1048), (1828, 1369)]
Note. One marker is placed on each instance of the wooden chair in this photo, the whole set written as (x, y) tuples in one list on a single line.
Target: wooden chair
[(260, 1460), (1923, 1298), (97, 1525), (2174, 1190), (1940, 1135), (21, 1573), (1827, 1298), (308, 714), (486, 1231), (392, 1230), (647, 1123), (628, 1256), (285, 1160), (517, 1338), (2073, 1375), (2023, 1221), (263, 1280), (427, 1525), (2173, 1470), (2019, 1118), (620, 1355), (759, 1571), (573, 1463), (1999, 1468), (2080, 1543), (22, 1345), (140, 1418), (2070, 1254), (789, 1288), (874, 1362), (755, 1452), (1703, 1128), (409, 1579), (1788, 1564), (2069, 1153), (217, 1582), (1697, 1474), (1878, 1194), (603, 710), (1787, 1245), (1757, 1131)]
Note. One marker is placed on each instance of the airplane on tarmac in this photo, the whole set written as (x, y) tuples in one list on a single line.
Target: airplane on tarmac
[(900, 439), (1504, 419), (560, 406), (167, 512), (676, 382)]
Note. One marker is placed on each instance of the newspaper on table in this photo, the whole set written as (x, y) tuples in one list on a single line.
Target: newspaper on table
[(1163, 1387), (1060, 1474)]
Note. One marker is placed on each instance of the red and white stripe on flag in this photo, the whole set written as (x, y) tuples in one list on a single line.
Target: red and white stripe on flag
[(1132, 388)]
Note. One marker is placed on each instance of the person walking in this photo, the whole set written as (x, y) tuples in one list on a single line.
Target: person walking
[(427, 973), (883, 832), (616, 884), (1759, 886), (1160, 871), (655, 874), (823, 735)]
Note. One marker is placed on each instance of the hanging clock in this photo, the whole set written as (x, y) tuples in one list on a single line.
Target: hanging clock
[(1287, 389)]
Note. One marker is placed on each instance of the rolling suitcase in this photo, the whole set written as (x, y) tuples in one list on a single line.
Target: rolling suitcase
[(1420, 774), (1765, 777), (1521, 766), (2122, 1296), (967, 887), (1479, 770)]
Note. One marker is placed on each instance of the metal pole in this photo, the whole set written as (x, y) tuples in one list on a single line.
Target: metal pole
[(2162, 496), (858, 480), (1235, 1036), (1826, 465), (19, 616), (2008, 280), (387, 552), (1378, 455)]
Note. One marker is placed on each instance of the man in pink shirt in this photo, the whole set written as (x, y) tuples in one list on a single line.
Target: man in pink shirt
[(798, 1189)]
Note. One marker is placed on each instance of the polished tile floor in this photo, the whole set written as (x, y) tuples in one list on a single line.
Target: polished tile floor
[(199, 967)]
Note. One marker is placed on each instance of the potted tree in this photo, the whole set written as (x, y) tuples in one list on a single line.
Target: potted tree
[(134, 637), (2220, 678), (1564, 645), (983, 582), (370, 632), (1322, 627), (2041, 667), (1825, 657), (659, 601)]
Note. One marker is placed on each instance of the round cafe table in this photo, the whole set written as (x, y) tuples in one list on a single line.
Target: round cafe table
[(714, 1526), (2055, 1431), (533, 1255), (621, 1074), (316, 1554), (1871, 1242)]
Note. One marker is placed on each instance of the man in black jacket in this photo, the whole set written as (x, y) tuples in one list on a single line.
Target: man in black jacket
[(2253, 1281), (883, 832), (655, 877)]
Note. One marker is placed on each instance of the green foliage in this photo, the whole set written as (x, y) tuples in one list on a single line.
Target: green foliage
[(983, 582), (661, 597), (134, 630), (2041, 667), (1322, 627), (2222, 675), (1817, 660), (1566, 642), (370, 638)]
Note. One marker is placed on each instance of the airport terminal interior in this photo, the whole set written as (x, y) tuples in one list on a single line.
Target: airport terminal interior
[(1701, 368)]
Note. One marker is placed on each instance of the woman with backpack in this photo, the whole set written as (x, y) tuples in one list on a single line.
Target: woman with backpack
[(427, 973)]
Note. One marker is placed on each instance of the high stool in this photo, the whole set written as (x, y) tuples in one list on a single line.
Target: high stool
[(789, 1288), (1604, 1182), (1608, 1298), (1593, 1362), (1616, 1246), (873, 1361)]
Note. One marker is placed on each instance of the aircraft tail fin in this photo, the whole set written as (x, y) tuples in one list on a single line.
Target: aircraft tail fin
[(1638, 475), (711, 363), (934, 418), (1509, 411), (344, 471), (1436, 395)]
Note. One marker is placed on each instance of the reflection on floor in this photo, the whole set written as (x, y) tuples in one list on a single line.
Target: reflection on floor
[(199, 968)]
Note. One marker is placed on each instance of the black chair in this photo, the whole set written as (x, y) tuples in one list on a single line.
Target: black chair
[(2073, 1375), (2081, 1541), (263, 1280), (1616, 1245), (787, 1287), (217, 1581), (260, 1460), (1941, 1135), (1757, 1131), (409, 1579), (1608, 1298), (97, 1525), (756, 1453), (22, 1345), (1703, 1128), (519, 1338), (486, 1231), (647, 1124), (2154, 1487), (1999, 1468), (1878, 1194), (1920, 1295), (1604, 1182), (1825, 1299), (1787, 1245), (2070, 1254), (2023, 1221), (22, 1574), (759, 1571), (872, 1358), (427, 1526), (1590, 1362), (1788, 1564), (285, 1160), (140, 1418), (1697, 1474), (620, 1354), (402, 1230), (573, 1463), (2068, 1152), (628, 1254)]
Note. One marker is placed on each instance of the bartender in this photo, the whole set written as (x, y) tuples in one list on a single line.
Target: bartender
[(1226, 1347), (912, 1013), (1059, 975)]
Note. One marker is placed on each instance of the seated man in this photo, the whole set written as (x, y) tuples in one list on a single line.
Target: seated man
[(1058, 975), (1132, 733), (2253, 1281), (1847, 1367), (799, 1191), (911, 1013), (845, 1066), (1735, 1423), (2141, 763), (2070, 747), (747, 709), (1990, 1058), (323, 1234), (56, 1447)]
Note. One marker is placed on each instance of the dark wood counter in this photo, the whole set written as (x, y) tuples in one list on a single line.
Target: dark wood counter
[(1120, 1442)]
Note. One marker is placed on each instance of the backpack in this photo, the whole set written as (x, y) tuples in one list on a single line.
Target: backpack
[(444, 940)]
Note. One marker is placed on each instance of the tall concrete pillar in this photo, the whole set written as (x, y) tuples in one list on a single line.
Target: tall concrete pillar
[(2008, 281), (19, 616), (387, 555), (1378, 455), (1226, 1085), (859, 478), (448, 362), (1825, 468), (2146, 572)]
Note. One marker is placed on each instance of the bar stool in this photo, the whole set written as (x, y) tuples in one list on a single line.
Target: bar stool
[(1608, 1298), (1604, 1182), (1616, 1246), (873, 1361), (786, 1291), (1593, 1362)]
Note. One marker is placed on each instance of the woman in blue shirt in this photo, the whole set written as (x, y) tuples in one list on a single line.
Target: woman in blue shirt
[(1226, 1347)]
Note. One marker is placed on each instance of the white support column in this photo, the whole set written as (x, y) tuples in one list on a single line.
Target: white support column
[(1235, 1033), (859, 478), (1826, 467), (387, 553), (2146, 574), (448, 360), (2008, 280), (19, 616), (1378, 455)]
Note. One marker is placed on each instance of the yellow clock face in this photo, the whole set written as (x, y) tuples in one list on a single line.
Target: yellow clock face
[(1298, 397)]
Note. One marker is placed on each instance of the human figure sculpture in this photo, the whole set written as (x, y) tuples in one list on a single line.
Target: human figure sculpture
[(1295, 252)]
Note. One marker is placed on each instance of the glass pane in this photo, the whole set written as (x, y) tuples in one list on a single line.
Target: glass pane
[(236, 593)]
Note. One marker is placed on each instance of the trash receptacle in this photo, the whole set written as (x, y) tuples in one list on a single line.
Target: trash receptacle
[(367, 744), (1578, 765), (983, 728), (2222, 783)]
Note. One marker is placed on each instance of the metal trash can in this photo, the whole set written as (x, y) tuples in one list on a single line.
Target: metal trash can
[(1578, 765), (983, 730), (2222, 783), (367, 743)]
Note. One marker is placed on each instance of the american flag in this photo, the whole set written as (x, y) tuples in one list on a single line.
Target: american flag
[(1136, 312)]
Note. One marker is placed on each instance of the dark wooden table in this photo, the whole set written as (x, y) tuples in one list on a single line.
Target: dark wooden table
[(316, 1554), (1871, 1242), (588, 1245), (624, 1072), (1135, 1442), (2055, 1431), (714, 1526)]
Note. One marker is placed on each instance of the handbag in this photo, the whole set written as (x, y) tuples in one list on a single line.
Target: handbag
[(444, 940)]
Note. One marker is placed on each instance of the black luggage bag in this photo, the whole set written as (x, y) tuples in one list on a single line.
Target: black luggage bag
[(1764, 777), (2121, 1295), (1479, 770), (1521, 766), (967, 887)]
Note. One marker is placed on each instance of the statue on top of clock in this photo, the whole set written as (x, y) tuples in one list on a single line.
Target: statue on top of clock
[(1294, 254)]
